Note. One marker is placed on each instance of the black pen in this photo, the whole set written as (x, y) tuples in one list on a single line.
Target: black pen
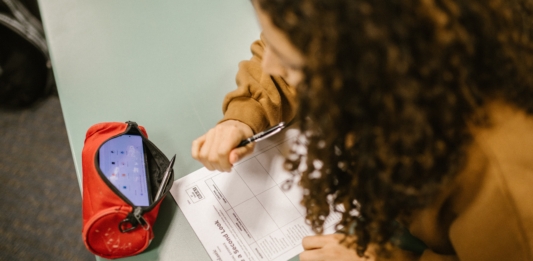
[(263, 135), (165, 179)]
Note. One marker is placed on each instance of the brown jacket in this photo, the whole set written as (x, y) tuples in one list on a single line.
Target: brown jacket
[(486, 213), (260, 100)]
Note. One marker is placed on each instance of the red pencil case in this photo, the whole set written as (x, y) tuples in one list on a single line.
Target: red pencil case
[(113, 226)]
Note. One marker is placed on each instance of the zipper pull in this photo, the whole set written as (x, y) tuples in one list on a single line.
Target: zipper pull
[(133, 219), (137, 214)]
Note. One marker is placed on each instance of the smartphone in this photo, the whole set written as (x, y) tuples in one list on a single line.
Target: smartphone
[(123, 162)]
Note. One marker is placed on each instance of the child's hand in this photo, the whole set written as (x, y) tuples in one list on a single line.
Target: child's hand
[(328, 247), (217, 148)]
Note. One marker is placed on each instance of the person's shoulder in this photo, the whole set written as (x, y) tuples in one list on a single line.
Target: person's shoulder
[(503, 154), (506, 145), (492, 197)]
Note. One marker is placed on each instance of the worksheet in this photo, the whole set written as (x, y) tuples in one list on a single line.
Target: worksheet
[(248, 214)]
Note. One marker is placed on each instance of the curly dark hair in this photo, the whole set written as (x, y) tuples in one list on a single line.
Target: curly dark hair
[(390, 89)]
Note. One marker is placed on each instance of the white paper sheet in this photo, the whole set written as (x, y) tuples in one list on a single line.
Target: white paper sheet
[(245, 214)]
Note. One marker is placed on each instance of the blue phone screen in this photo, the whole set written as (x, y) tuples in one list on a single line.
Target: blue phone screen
[(122, 162)]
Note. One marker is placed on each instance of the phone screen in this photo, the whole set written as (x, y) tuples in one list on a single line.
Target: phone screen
[(123, 163)]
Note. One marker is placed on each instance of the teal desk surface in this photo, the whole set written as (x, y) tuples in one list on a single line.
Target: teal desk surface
[(165, 64)]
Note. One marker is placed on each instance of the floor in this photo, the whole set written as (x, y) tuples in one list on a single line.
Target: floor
[(40, 214)]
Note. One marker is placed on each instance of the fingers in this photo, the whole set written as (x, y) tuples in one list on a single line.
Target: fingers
[(216, 149), (315, 242), (198, 150), (239, 153), (196, 146), (338, 253), (205, 156), (214, 152), (312, 242), (311, 255), (327, 247)]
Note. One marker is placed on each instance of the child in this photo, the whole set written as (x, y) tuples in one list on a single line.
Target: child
[(416, 112)]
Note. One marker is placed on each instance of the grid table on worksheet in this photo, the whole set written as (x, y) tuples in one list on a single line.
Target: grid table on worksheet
[(268, 216)]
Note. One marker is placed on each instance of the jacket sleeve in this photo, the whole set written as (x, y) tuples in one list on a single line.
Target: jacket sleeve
[(260, 100)]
